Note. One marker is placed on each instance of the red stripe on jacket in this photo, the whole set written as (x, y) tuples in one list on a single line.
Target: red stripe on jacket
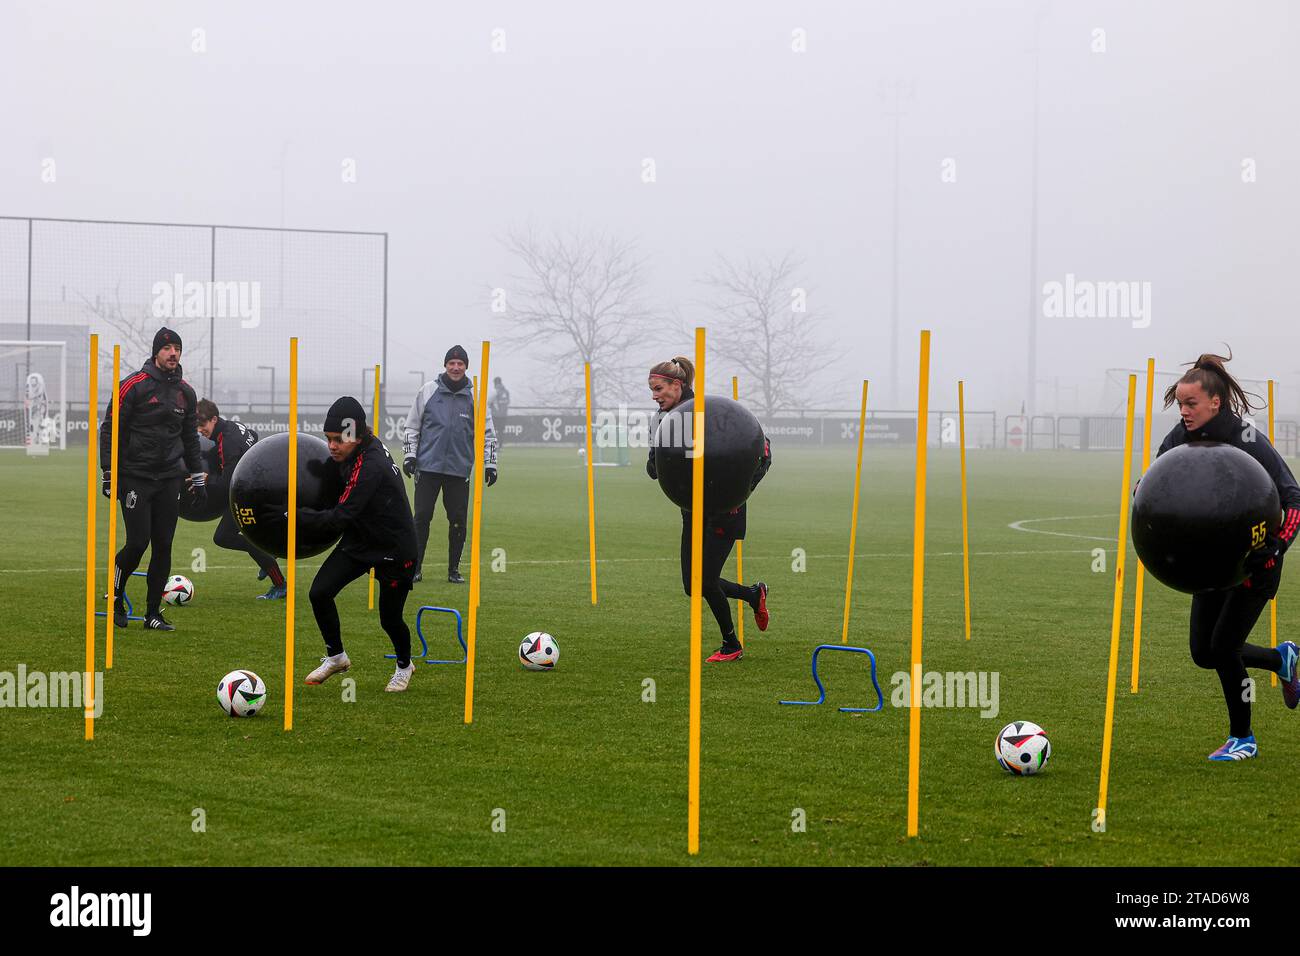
[(1291, 524), (352, 479), (221, 450), (127, 385)]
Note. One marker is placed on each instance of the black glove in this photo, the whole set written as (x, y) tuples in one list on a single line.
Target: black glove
[(199, 488), (1265, 558), (108, 485), (409, 466), (489, 475)]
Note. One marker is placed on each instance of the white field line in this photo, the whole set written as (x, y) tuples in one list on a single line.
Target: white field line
[(881, 555), (1020, 526)]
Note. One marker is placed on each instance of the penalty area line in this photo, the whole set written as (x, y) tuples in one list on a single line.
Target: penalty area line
[(1020, 526)]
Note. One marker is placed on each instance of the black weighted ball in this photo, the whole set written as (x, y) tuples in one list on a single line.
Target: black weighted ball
[(1199, 511), (259, 493), (733, 449), (214, 505)]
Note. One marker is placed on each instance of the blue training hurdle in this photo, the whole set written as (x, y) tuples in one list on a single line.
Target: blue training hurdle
[(130, 611), (821, 688), (424, 645)]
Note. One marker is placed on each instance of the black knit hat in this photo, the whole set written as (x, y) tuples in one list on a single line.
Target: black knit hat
[(456, 352), (163, 337), (343, 410)]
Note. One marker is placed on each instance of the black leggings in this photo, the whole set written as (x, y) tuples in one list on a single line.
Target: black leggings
[(717, 592), (228, 536), (341, 569), (150, 509), (455, 501), (1221, 622)]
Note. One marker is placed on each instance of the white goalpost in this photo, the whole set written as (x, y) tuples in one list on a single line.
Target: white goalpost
[(33, 395)]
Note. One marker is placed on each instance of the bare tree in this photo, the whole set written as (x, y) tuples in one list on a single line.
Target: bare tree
[(579, 300), (765, 330), (134, 330)]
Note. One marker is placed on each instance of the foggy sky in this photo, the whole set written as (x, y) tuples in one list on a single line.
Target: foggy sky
[(759, 150)]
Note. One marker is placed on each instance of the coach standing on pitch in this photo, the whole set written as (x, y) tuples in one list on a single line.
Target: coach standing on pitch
[(438, 442), (158, 444)]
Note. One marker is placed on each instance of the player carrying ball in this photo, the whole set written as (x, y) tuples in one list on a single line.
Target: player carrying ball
[(230, 440), (374, 517), (1211, 402), (670, 385)]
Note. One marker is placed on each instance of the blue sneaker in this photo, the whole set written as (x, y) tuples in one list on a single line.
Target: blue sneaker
[(1237, 748), (1289, 675), (276, 593)]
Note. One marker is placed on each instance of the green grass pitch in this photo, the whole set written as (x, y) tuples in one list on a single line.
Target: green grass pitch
[(586, 771)]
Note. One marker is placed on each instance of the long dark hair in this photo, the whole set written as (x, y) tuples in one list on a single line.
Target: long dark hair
[(1210, 373)]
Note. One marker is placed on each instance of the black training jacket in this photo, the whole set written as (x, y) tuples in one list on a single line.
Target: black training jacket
[(1227, 427), (371, 510), (229, 442), (157, 433)]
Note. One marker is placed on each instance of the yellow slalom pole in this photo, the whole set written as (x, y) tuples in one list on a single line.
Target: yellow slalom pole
[(853, 527), (112, 504), (965, 522), (918, 592), (697, 599), (480, 430), (291, 550), (740, 549), (591, 487), (92, 491), (374, 426), (1141, 571), (1272, 605), (479, 404), (1099, 815)]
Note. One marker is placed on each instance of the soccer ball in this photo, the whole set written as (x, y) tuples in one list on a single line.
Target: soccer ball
[(539, 652), (241, 693), (1022, 748), (178, 590)]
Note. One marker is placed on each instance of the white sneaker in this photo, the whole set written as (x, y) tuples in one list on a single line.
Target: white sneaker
[(400, 679), (329, 666)]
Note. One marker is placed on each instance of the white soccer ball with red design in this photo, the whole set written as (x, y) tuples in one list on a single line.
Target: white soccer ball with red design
[(178, 590), (539, 652), (1022, 748), (241, 693)]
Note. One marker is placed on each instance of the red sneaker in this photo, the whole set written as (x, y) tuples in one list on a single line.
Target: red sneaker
[(760, 613), (722, 655)]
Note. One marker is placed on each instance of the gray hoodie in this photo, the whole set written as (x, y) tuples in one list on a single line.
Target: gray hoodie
[(439, 430)]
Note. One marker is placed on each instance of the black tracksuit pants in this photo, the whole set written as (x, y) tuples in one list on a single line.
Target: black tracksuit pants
[(717, 592), (149, 509), (1221, 622), (455, 501), (227, 536), (341, 569)]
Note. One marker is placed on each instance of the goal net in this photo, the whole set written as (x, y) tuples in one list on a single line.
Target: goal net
[(33, 395)]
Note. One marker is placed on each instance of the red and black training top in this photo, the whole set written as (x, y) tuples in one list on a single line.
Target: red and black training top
[(371, 511), (230, 440), (157, 432)]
